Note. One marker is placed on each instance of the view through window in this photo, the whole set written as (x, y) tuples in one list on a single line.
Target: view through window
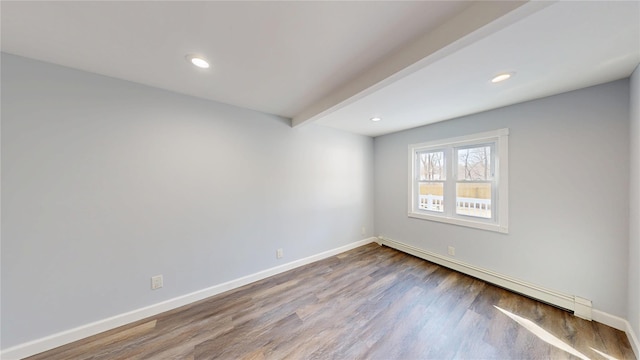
[(459, 181)]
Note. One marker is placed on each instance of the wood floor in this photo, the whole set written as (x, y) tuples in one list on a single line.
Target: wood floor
[(369, 303)]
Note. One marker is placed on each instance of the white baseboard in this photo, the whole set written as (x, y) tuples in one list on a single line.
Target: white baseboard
[(633, 339), (545, 295), (615, 322), (620, 324), (574, 303), (81, 332)]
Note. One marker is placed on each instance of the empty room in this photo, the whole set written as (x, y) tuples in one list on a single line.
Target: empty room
[(320, 180)]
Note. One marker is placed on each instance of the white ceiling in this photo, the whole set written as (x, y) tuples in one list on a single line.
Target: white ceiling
[(338, 63), (561, 47)]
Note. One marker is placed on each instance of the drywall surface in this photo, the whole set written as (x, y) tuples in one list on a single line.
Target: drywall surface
[(106, 183), (568, 194), (634, 208)]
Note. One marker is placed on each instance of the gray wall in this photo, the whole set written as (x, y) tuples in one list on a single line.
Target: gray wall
[(106, 183), (634, 198), (568, 208)]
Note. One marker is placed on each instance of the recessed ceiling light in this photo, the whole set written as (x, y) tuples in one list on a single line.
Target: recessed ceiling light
[(501, 77), (198, 61), (375, 118)]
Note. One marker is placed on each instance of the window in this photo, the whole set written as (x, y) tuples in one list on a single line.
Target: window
[(461, 181)]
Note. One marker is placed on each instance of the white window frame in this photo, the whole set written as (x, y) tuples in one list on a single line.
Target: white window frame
[(499, 139)]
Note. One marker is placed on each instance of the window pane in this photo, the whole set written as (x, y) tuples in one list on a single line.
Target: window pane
[(474, 199), (431, 165), (431, 196), (474, 163)]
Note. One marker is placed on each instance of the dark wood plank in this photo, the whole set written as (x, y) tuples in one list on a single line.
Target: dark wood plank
[(368, 303)]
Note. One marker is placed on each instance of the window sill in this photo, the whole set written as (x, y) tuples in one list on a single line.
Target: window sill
[(461, 222)]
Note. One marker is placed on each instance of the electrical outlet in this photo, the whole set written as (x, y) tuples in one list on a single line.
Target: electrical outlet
[(452, 251), (156, 282), (364, 231), (279, 253)]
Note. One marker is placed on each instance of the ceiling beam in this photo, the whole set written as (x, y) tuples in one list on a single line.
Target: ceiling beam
[(468, 26)]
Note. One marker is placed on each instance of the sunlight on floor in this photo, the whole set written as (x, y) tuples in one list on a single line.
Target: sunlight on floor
[(548, 337), (608, 357)]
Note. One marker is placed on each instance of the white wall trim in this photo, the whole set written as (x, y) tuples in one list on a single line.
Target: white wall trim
[(620, 324), (610, 320), (633, 339), (52, 341), (534, 291)]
